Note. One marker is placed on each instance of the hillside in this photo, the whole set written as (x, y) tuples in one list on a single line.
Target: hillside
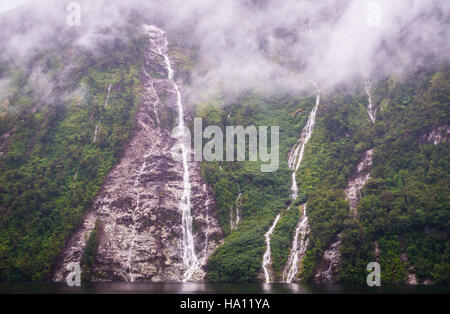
[(88, 173)]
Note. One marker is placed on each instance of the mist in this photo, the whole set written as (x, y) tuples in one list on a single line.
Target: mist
[(265, 46)]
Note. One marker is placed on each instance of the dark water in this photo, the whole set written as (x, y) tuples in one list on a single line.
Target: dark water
[(210, 288)]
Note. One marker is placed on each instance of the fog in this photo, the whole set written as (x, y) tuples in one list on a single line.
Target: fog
[(265, 45)]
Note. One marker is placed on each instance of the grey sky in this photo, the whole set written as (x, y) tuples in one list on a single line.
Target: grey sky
[(6, 5)]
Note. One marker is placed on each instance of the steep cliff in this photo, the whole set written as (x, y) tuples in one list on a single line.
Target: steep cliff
[(139, 204)]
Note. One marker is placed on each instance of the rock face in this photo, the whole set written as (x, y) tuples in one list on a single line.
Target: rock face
[(359, 179), (327, 270), (437, 136), (412, 279), (4, 140), (139, 204)]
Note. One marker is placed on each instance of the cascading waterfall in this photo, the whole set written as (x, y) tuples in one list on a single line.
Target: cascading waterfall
[(294, 162), (190, 259), (298, 249), (107, 96), (75, 181), (208, 228), (207, 204), (155, 111), (360, 179), (235, 219), (296, 156), (371, 111), (238, 214), (95, 133), (133, 218), (267, 260), (331, 256)]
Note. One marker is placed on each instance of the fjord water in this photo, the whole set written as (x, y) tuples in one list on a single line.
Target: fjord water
[(211, 288)]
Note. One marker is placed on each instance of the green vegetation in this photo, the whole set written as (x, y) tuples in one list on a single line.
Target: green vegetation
[(90, 251), (404, 207), (53, 169), (408, 195), (282, 238), (264, 195)]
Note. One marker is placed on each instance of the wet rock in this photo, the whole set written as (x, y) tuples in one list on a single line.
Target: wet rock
[(437, 136), (139, 204), (358, 180), (327, 270)]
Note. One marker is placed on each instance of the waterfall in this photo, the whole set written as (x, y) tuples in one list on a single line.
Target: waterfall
[(238, 218), (357, 182), (207, 204), (155, 109), (332, 255), (95, 133), (133, 218), (75, 182), (267, 260), (371, 111), (189, 257), (298, 151), (235, 220), (294, 161), (208, 228), (298, 249), (107, 96), (232, 220)]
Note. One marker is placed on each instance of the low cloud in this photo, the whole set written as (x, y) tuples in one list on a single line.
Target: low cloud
[(267, 45)]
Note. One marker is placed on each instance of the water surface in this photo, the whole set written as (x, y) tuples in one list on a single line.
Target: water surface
[(210, 288)]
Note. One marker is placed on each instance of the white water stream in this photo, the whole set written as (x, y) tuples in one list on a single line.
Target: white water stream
[(371, 111), (296, 155), (95, 133), (133, 218), (190, 259), (298, 250), (302, 230), (267, 260), (235, 219), (107, 96)]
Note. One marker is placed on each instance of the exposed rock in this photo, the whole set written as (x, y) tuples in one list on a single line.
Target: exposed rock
[(412, 279), (4, 140), (139, 204), (358, 180), (437, 136), (327, 270)]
